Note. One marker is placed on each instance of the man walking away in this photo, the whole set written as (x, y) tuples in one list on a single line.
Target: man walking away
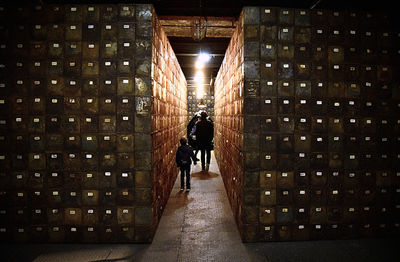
[(204, 138), (184, 156)]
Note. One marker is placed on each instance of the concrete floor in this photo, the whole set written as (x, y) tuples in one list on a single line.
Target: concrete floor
[(199, 226)]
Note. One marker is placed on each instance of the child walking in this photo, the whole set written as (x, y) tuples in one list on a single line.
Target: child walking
[(184, 156)]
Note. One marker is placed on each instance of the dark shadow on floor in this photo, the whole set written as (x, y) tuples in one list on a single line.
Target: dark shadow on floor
[(204, 175), (182, 199), (124, 259), (354, 250), (26, 252)]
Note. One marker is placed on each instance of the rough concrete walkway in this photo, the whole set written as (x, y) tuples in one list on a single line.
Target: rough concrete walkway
[(199, 226)]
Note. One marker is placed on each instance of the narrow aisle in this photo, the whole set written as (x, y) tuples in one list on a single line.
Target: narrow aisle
[(198, 225)]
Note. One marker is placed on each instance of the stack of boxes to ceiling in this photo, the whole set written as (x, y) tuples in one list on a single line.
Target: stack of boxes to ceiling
[(321, 127), (229, 119), (75, 123), (206, 103), (169, 116)]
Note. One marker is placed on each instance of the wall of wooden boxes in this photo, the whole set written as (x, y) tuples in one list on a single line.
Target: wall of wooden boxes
[(228, 125), (206, 103), (79, 88), (319, 113)]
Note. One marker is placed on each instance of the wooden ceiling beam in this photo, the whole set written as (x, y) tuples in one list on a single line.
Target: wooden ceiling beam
[(186, 26)]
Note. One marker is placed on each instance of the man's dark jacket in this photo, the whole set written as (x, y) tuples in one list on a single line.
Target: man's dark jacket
[(204, 134)]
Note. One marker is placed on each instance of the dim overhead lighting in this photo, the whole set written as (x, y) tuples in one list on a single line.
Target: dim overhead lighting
[(200, 91), (199, 64), (199, 77), (204, 57)]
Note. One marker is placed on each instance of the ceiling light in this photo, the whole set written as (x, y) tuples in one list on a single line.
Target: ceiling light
[(199, 77), (200, 91), (199, 64), (204, 57)]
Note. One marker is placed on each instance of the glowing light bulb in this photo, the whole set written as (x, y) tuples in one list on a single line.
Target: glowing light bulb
[(204, 57), (199, 77), (199, 64)]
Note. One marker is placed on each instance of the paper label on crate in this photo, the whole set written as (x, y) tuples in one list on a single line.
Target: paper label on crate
[(126, 26), (127, 44), (268, 65), (267, 193), (108, 211), (106, 138), (89, 156), (55, 193), (72, 27), (73, 194)]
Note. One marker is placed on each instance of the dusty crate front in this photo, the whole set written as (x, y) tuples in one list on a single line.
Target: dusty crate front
[(321, 128), (75, 123)]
